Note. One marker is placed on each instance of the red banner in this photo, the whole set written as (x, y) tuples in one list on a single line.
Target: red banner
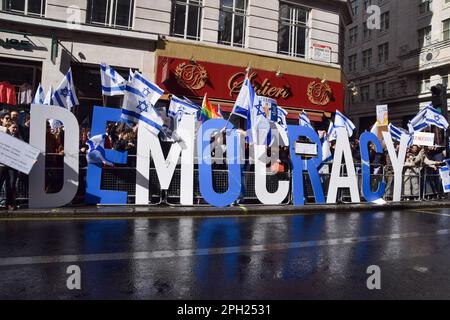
[(223, 82)]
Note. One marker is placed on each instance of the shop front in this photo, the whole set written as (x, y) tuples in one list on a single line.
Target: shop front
[(193, 71)]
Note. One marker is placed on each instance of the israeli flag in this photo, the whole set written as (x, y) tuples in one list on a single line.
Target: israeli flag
[(281, 126), (434, 117), (341, 121), (64, 95), (113, 84), (48, 100), (331, 132), (245, 100), (39, 96), (96, 150), (397, 133), (178, 108), (130, 75), (304, 120), (139, 103), (258, 124)]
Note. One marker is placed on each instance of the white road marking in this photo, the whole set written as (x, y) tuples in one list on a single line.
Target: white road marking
[(13, 261), (431, 212)]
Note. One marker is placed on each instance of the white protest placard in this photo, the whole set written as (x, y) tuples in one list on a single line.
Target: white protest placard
[(309, 149), (445, 177), (424, 139), (17, 154), (382, 115)]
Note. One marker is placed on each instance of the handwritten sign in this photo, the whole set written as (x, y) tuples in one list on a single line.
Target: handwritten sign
[(17, 154), (308, 149), (424, 139), (382, 115)]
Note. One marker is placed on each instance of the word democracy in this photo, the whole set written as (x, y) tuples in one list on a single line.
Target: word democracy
[(149, 147)]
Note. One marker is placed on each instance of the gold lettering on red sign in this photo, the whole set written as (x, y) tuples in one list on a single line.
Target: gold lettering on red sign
[(264, 89), (319, 93), (191, 76)]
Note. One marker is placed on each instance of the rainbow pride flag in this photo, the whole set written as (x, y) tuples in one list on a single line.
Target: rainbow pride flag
[(208, 110)]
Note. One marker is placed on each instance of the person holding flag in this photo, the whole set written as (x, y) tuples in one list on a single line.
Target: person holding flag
[(113, 84), (96, 151), (65, 96), (139, 103)]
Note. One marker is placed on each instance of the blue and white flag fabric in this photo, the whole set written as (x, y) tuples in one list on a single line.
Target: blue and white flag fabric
[(341, 121), (113, 84), (331, 132), (429, 116), (303, 120), (65, 96), (48, 100), (130, 75), (281, 126), (258, 123), (245, 100), (39, 96), (178, 108), (139, 103), (96, 150), (397, 133)]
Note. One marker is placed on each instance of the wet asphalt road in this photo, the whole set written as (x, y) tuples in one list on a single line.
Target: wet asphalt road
[(321, 256)]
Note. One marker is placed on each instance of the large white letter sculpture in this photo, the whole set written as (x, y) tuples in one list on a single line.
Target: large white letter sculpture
[(336, 181), (398, 162), (260, 180), (149, 144), (38, 197)]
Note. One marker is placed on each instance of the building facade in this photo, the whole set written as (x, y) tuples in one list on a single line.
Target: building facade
[(397, 63), (294, 49)]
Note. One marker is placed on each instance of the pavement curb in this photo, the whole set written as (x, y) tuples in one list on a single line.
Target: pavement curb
[(171, 211)]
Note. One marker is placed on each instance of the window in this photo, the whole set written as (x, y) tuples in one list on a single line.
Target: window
[(186, 19), (352, 63), (424, 36), (383, 53), (381, 90), (367, 58), (354, 4), (384, 21), (367, 33), (27, 7), (365, 93), (353, 35), (424, 6), (111, 13), (446, 29), (293, 30), (424, 84), (232, 22)]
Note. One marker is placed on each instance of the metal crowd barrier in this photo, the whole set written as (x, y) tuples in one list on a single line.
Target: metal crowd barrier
[(416, 185)]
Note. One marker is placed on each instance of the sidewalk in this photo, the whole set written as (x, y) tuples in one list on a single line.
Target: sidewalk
[(171, 211)]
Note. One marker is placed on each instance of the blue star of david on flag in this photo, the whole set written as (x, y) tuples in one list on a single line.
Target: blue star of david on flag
[(142, 106), (260, 112)]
